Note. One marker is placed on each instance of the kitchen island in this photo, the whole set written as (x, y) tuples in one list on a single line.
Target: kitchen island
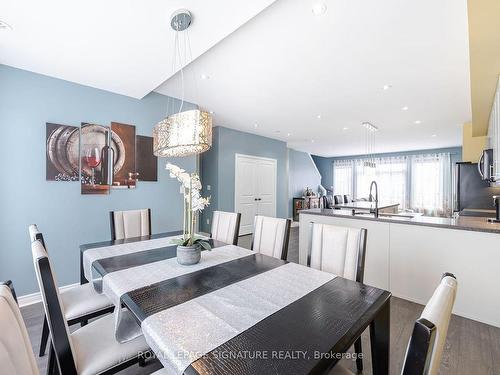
[(407, 255)]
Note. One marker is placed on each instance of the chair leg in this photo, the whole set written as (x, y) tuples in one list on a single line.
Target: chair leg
[(51, 364), (359, 352), (45, 337)]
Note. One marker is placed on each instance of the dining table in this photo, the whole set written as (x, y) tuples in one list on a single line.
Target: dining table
[(236, 311)]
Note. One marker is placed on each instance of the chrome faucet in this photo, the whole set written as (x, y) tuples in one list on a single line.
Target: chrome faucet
[(371, 199)]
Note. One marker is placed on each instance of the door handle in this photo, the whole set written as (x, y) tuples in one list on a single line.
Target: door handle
[(257, 199)]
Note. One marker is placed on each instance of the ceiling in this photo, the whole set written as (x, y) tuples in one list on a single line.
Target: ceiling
[(122, 46), (273, 66), (279, 71)]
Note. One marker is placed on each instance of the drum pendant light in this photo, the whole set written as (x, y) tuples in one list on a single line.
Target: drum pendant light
[(189, 132)]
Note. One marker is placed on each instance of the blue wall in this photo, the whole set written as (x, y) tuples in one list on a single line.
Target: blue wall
[(220, 162), (325, 165), (67, 219), (302, 174)]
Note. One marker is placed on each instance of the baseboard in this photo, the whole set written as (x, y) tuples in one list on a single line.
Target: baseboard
[(30, 299)]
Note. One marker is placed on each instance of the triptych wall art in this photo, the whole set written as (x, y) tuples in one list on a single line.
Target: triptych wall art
[(100, 157)]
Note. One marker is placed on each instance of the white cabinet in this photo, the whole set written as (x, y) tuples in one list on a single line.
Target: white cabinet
[(494, 133), (255, 189), (408, 260)]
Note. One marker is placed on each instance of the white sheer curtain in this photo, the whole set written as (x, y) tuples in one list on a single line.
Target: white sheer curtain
[(431, 184), (390, 174), (343, 177), (422, 183)]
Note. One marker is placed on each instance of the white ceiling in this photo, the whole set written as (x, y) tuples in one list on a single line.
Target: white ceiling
[(123, 46), (287, 65)]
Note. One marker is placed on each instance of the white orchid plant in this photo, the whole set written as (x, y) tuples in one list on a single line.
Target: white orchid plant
[(193, 204)]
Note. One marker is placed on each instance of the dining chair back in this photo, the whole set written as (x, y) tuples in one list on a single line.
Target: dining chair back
[(327, 201), (54, 310), (347, 198), (271, 236), (341, 251), (16, 354), (132, 223), (226, 227), (35, 234), (425, 349), (338, 250), (338, 199)]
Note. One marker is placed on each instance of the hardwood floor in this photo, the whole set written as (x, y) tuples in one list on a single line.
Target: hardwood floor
[(472, 348)]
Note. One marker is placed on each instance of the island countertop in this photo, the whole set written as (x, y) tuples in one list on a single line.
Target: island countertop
[(365, 205), (472, 223)]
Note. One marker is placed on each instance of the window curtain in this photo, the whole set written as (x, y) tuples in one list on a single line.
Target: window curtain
[(431, 184), (420, 183), (390, 174), (343, 177)]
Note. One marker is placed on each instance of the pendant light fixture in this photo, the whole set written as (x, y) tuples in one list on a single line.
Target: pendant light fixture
[(189, 132), (370, 131)]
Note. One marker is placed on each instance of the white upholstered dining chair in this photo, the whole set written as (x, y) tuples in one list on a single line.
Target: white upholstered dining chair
[(128, 224), (341, 251), (271, 236), (81, 302), (427, 342), (226, 227), (16, 354), (92, 349)]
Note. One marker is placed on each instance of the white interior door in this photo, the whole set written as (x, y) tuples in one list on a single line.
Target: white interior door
[(245, 187), (266, 187), (255, 189)]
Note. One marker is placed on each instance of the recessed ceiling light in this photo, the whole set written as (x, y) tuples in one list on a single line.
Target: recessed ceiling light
[(319, 9), (345, 128), (387, 87), (418, 122), (434, 136), (288, 134), (312, 140), (405, 108), (318, 116), (204, 76), (212, 112), (255, 125), (5, 26)]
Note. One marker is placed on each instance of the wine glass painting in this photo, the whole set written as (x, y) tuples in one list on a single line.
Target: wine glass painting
[(94, 159), (100, 157)]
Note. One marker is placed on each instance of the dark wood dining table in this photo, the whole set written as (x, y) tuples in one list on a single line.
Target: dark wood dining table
[(308, 336)]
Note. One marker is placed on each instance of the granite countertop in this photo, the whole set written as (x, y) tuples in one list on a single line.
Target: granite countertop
[(365, 205), (472, 223)]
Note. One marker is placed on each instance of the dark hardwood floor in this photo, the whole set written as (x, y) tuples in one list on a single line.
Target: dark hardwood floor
[(472, 348)]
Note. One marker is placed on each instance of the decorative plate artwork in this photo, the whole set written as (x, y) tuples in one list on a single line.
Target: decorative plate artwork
[(62, 149)]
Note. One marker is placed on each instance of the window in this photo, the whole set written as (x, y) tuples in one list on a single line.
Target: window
[(343, 177), (391, 176), (431, 189), (421, 183)]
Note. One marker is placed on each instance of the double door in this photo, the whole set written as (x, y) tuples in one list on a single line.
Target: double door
[(255, 189)]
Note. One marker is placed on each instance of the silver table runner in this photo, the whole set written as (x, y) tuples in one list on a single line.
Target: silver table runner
[(184, 333), (91, 255), (117, 283)]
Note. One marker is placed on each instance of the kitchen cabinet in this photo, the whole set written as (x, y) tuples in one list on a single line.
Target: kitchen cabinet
[(408, 260)]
